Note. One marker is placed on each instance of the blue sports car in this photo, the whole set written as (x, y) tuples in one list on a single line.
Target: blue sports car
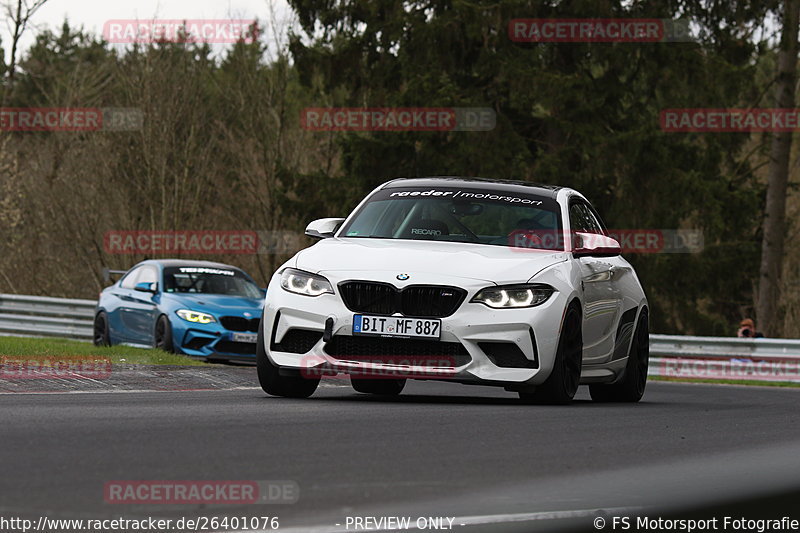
[(197, 308)]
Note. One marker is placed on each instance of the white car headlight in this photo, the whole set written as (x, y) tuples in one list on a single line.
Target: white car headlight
[(305, 283), (195, 316), (514, 296)]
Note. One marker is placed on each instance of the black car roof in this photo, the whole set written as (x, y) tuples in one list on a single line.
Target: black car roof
[(522, 187)]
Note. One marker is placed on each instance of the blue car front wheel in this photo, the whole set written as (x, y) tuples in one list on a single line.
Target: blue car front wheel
[(101, 336), (164, 334)]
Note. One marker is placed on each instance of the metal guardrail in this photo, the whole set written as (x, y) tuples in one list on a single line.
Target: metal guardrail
[(671, 355), (725, 359), (723, 347), (40, 316)]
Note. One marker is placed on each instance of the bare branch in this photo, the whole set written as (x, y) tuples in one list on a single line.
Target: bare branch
[(19, 14)]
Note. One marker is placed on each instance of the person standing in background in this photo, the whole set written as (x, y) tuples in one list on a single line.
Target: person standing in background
[(747, 329)]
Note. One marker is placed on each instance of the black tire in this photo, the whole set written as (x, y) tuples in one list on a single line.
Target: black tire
[(561, 385), (383, 387), (631, 388), (101, 336), (274, 383), (163, 335)]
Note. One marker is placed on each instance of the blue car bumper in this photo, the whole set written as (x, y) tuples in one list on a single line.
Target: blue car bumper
[(215, 340)]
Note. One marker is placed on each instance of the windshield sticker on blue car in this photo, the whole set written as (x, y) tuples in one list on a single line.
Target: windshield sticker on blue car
[(205, 270)]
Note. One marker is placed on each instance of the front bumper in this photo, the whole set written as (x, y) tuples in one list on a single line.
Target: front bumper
[(505, 347), (212, 341)]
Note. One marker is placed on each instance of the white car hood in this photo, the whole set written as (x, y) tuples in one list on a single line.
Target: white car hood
[(495, 264)]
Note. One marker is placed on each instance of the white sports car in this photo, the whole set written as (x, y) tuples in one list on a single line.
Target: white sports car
[(474, 281)]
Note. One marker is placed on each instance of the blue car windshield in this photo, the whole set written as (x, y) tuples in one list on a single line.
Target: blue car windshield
[(206, 280)]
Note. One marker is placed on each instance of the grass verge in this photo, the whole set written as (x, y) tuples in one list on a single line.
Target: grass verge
[(35, 348)]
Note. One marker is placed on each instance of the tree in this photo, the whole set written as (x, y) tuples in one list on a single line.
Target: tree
[(774, 233), (19, 14)]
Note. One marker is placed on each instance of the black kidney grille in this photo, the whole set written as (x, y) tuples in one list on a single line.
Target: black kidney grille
[(415, 300), (238, 323), (366, 297), (431, 300)]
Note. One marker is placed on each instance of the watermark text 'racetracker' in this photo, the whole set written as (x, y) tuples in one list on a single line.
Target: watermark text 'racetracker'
[(212, 31), (610, 30), (201, 492), (730, 120), (201, 242), (74, 119), (19, 367), (634, 241), (398, 119)]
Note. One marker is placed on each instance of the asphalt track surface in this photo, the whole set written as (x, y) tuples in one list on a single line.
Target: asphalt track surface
[(440, 449)]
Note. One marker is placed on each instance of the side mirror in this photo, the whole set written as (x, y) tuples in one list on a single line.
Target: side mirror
[(146, 287), (595, 245), (323, 228)]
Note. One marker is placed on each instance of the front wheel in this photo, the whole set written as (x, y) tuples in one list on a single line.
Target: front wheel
[(276, 384), (561, 385), (163, 337), (631, 388), (101, 336)]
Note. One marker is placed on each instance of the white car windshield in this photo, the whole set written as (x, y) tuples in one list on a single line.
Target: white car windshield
[(476, 216)]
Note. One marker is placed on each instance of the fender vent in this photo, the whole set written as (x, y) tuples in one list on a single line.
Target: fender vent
[(509, 354), (296, 341)]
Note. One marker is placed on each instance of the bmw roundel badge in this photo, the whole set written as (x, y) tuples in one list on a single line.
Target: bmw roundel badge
[(403, 277)]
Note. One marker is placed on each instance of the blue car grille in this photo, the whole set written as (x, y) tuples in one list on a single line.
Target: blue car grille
[(239, 348), (238, 323)]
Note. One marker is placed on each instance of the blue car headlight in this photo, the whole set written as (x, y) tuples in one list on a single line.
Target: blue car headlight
[(514, 296), (305, 283), (195, 316)]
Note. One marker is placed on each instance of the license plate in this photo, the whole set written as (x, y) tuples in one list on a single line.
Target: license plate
[(397, 326), (244, 337)]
